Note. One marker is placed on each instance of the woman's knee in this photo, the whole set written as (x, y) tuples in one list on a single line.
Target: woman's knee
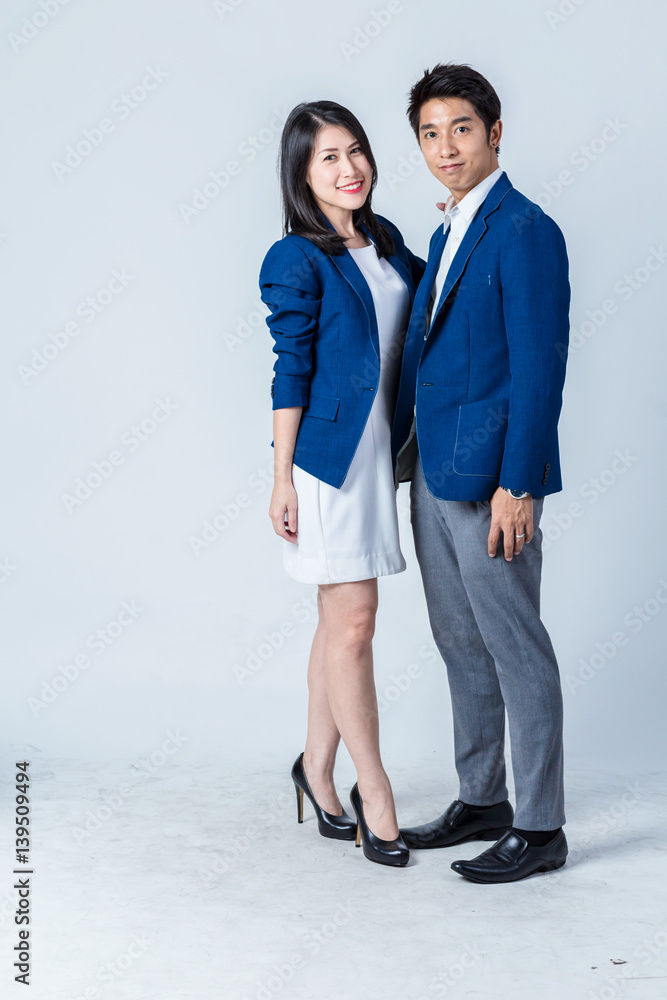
[(350, 618)]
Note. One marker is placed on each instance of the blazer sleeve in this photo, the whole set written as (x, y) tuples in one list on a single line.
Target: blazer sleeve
[(536, 301), (289, 287)]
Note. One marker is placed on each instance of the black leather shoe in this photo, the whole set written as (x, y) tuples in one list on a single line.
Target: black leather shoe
[(459, 823), (341, 827), (384, 852), (512, 858)]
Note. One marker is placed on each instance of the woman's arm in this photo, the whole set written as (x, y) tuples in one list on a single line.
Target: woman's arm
[(290, 288), (283, 499)]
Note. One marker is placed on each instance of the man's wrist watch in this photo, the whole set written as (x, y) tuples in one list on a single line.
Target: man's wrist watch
[(517, 494)]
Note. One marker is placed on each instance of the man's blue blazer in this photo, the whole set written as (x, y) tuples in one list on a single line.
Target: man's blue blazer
[(487, 377), (323, 323)]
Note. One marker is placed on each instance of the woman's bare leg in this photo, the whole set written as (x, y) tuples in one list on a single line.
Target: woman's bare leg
[(323, 737), (349, 625)]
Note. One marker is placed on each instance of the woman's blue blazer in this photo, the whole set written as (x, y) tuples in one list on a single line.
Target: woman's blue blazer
[(322, 320)]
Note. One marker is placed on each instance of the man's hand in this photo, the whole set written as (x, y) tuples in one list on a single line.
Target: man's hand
[(442, 205), (514, 518), (284, 502)]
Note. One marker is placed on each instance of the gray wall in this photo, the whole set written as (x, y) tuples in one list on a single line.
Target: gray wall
[(140, 196)]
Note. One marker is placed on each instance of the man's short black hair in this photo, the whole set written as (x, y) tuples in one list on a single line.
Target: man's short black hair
[(455, 80)]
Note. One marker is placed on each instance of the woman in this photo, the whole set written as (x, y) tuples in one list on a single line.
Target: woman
[(339, 287)]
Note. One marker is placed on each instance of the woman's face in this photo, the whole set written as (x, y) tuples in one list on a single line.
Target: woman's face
[(339, 174)]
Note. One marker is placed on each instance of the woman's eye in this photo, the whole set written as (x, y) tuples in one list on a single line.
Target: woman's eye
[(331, 156), (357, 149)]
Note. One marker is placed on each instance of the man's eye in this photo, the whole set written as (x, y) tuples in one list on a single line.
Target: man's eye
[(464, 127), (429, 134)]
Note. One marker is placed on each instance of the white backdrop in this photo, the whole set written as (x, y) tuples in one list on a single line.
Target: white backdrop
[(142, 587)]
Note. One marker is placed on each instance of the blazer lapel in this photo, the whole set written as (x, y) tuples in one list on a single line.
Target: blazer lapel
[(473, 235), (347, 267), (420, 306)]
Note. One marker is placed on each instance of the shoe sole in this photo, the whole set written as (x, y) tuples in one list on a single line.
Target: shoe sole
[(387, 864), (538, 871)]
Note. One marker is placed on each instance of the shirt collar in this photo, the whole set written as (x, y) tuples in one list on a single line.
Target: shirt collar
[(474, 198)]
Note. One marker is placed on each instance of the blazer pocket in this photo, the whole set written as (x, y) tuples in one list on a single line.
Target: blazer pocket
[(480, 438), (477, 284), (324, 407)]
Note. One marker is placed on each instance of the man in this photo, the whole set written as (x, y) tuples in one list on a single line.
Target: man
[(475, 430)]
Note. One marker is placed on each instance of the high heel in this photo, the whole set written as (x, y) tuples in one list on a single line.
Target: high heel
[(384, 852), (341, 827)]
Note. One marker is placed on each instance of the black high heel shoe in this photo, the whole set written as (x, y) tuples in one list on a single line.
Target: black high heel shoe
[(384, 852), (341, 827)]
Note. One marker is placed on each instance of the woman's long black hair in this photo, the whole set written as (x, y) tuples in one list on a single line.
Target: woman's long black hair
[(301, 212)]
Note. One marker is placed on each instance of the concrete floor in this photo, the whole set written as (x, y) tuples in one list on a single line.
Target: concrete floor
[(189, 884)]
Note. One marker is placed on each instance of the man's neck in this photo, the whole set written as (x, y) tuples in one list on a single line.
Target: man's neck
[(459, 197)]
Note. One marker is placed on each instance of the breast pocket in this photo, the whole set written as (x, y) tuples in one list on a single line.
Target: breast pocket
[(475, 284)]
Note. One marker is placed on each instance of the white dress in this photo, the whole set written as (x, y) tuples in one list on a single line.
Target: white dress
[(351, 533)]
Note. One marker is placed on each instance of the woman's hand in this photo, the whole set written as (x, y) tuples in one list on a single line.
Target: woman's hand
[(284, 502), (286, 420)]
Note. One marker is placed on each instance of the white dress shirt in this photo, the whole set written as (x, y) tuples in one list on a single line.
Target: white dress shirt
[(457, 218)]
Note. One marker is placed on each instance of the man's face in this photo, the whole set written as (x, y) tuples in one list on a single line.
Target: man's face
[(453, 140)]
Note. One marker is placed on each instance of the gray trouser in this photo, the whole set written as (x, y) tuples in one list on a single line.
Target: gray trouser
[(485, 617)]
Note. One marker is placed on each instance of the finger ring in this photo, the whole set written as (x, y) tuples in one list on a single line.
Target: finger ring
[(521, 536)]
